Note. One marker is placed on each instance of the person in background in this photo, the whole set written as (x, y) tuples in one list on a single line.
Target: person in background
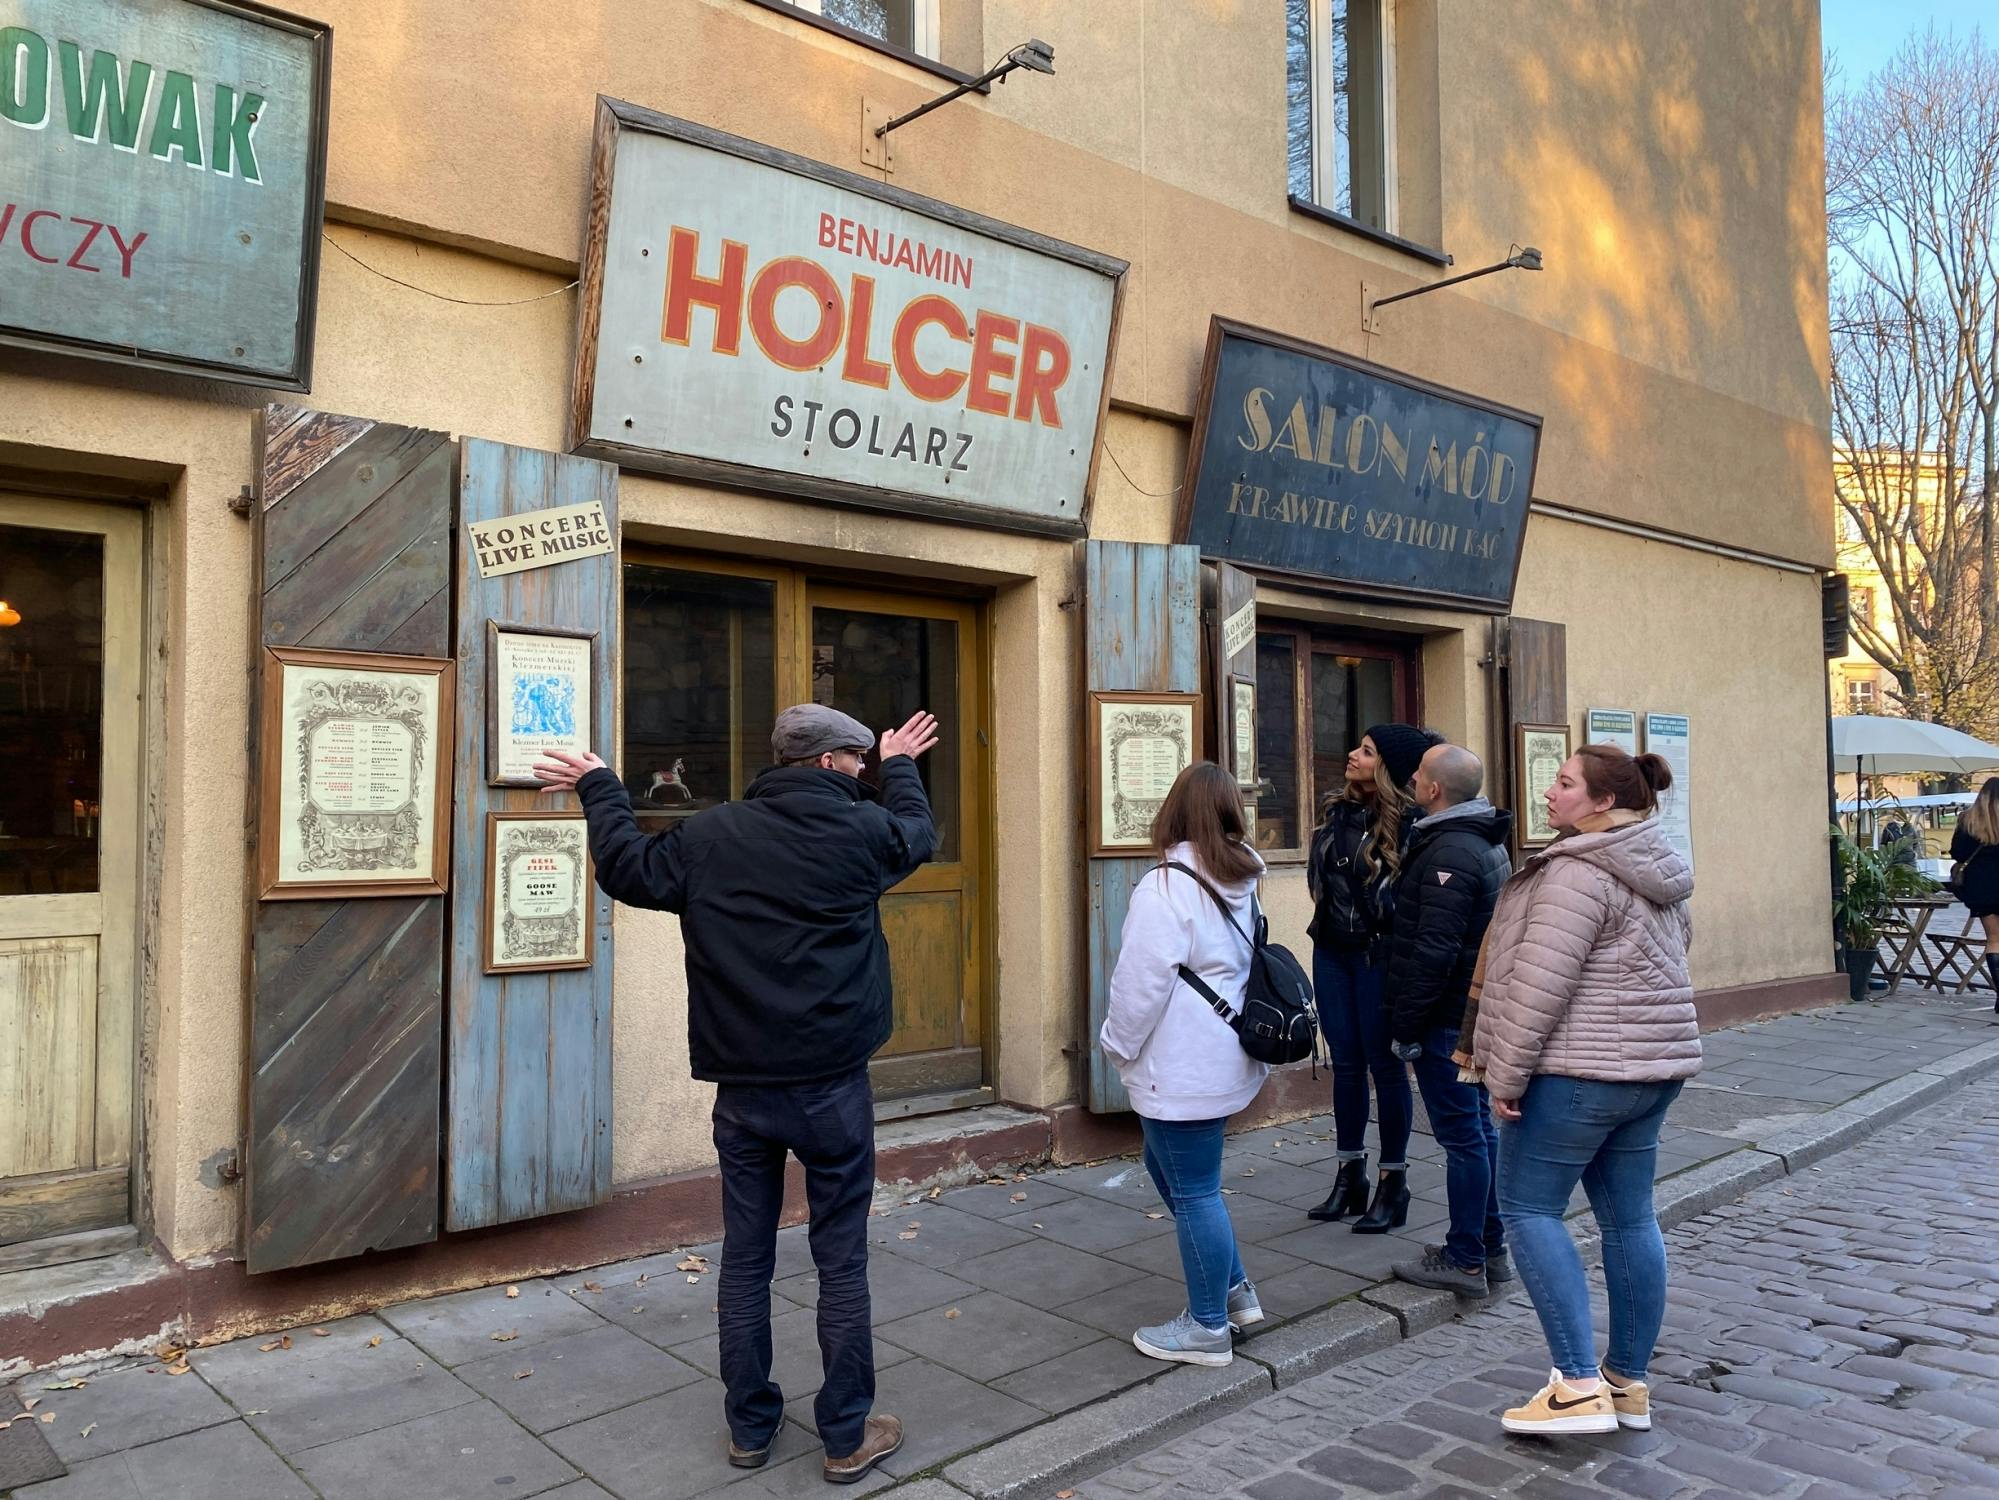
[(1586, 1034), (1451, 875), (787, 998), (1180, 1062), (1974, 847), (1351, 868)]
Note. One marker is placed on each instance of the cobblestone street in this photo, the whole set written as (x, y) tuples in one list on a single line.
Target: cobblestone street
[(1834, 1334)]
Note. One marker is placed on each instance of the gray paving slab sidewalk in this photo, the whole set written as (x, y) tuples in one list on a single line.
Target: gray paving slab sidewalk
[(999, 1308)]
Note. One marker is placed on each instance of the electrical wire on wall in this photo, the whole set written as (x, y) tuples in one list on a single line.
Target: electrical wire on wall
[(441, 296), (1155, 494)]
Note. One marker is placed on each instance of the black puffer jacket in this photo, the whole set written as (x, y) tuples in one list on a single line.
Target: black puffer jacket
[(1979, 889), (1450, 881), (1346, 909), (779, 897)]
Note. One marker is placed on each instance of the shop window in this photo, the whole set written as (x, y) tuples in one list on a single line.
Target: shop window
[(1316, 696), (700, 670), (904, 25), (1339, 103)]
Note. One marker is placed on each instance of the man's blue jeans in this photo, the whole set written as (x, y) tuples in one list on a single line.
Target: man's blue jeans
[(1347, 989), (1607, 1136), (1185, 1160), (829, 1126), (1461, 1120)]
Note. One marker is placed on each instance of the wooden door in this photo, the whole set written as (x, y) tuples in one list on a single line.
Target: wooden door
[(71, 676), (880, 657)]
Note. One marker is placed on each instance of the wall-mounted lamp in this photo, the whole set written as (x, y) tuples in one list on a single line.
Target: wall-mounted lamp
[(1034, 55), (8, 614), (1518, 258)]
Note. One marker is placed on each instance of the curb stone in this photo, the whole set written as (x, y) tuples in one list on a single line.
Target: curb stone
[(1417, 1309), (1973, 1062), (1312, 1344), (1688, 1195), (1092, 1438)]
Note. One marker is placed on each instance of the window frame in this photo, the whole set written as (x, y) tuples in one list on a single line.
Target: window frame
[(1307, 641), (1321, 89), (1863, 695), (926, 31)]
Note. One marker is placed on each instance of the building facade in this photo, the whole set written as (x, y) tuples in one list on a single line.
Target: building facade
[(1282, 166)]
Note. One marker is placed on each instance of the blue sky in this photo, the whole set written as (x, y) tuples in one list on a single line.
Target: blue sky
[(1865, 33)]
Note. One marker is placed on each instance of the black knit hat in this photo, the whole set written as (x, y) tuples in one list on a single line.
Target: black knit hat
[(1402, 748)]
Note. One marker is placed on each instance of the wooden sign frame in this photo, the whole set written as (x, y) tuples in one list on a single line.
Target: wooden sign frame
[(1100, 700), (272, 743), (495, 821), (494, 630), (1524, 799)]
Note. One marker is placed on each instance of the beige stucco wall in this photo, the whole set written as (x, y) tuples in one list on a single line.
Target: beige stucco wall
[(1680, 371)]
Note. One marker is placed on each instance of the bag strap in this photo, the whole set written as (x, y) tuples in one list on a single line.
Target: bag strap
[(1216, 896), (1206, 991)]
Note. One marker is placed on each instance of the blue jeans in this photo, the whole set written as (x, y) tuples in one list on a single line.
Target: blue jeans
[(1606, 1135), (1185, 1160), (830, 1127), (1461, 1121), (1348, 990)]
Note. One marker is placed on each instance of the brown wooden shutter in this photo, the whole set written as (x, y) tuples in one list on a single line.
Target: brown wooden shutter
[(353, 523), (1534, 662)]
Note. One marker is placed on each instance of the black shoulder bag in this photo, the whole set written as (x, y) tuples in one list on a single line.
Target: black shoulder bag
[(1275, 1023)]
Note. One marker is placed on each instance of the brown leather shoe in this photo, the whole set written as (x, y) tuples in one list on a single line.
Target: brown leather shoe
[(881, 1437), (748, 1458)]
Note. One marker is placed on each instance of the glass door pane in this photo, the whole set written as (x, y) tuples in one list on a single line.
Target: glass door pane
[(1349, 694), (881, 668), (51, 709)]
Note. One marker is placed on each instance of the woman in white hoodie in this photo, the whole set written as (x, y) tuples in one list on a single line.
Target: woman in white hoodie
[(1183, 1066)]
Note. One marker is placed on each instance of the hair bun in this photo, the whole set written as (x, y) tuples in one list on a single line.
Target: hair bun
[(1658, 775)]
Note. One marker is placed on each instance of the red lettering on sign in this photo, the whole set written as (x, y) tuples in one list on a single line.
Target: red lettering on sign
[(28, 236), (1034, 398), (814, 350), (859, 368), (926, 385), (988, 362), (686, 289), (76, 257), (125, 251), (75, 244)]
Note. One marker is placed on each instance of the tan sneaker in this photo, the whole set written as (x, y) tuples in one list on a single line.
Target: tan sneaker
[(881, 1437), (1632, 1402), (1560, 1407)]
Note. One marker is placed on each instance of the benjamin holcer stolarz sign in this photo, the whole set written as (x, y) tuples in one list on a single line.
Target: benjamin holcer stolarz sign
[(162, 183), (1310, 462)]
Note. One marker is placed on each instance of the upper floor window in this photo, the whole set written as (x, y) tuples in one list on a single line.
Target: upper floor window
[(1339, 102), (909, 25), (1861, 697)]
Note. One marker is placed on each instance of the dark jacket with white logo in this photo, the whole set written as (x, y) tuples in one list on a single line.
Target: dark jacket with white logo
[(1451, 875)]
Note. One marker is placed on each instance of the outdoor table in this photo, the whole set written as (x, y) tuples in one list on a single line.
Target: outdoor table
[(1909, 955)]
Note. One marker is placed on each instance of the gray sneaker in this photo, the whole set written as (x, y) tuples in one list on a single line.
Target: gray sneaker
[(1244, 1308), (1186, 1341), (1439, 1271), (1499, 1268)]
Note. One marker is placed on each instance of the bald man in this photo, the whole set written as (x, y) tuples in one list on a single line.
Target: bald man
[(1451, 875)]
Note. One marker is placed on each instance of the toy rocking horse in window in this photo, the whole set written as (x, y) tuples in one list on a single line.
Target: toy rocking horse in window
[(668, 788)]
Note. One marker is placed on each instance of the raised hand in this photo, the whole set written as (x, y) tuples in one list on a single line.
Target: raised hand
[(915, 737), (560, 771)]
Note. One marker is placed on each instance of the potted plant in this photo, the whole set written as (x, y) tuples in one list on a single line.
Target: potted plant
[(1869, 882)]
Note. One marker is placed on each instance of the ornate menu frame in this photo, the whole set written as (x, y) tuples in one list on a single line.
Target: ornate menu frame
[(1114, 825), (575, 951)]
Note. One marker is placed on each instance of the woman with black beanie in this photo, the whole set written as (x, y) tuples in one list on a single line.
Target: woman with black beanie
[(1356, 853)]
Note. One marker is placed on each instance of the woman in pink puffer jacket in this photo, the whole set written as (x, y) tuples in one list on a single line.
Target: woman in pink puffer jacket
[(1585, 1032)]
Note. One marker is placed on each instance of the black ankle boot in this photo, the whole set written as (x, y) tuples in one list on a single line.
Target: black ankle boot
[(1390, 1209), (1992, 969), (1348, 1199)]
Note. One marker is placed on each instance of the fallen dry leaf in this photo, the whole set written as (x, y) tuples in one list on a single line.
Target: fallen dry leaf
[(935, 1193), (637, 1307), (1155, 1216), (267, 1348), (907, 1234), (1020, 1177), (284, 1341), (31, 1403), (507, 1337), (645, 1278), (951, 1313), (375, 1342), (1065, 1495), (513, 1292), (694, 1281), (995, 1182), (1229, 1191), (693, 1263), (522, 1374), (1249, 1171), (593, 1286), (1016, 1198), (178, 1367), (1037, 1226), (258, 1411), (321, 1333), (86, 1432), (47, 1416), (168, 1353), (67, 1385)]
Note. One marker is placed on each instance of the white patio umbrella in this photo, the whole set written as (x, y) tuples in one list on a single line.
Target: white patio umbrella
[(1874, 745)]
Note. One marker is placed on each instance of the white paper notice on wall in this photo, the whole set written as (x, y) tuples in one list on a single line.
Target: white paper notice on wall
[(1612, 726), (1667, 736), (539, 538), (1238, 630)]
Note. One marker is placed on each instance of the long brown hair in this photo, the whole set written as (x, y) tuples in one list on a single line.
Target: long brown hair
[(1981, 819), (1632, 781), (1204, 809), (1390, 803)]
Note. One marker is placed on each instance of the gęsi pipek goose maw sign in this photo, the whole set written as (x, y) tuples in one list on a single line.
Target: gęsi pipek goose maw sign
[(753, 318)]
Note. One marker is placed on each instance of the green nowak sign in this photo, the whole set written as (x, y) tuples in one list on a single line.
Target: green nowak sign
[(170, 188)]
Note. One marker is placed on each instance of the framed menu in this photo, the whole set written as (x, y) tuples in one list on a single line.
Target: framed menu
[(1242, 727), (1139, 744), (537, 697), (355, 775), (1539, 751), (537, 891)]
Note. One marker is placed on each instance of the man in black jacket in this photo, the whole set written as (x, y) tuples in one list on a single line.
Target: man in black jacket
[(1451, 874), (787, 999)]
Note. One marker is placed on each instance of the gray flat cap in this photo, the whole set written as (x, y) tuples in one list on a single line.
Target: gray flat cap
[(806, 730)]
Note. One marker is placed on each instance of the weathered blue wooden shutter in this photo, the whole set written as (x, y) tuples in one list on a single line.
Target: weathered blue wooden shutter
[(1141, 633), (530, 1053)]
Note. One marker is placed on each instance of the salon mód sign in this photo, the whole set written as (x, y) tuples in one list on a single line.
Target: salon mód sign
[(754, 318)]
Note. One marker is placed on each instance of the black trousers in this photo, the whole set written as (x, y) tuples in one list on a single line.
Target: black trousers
[(829, 1126)]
